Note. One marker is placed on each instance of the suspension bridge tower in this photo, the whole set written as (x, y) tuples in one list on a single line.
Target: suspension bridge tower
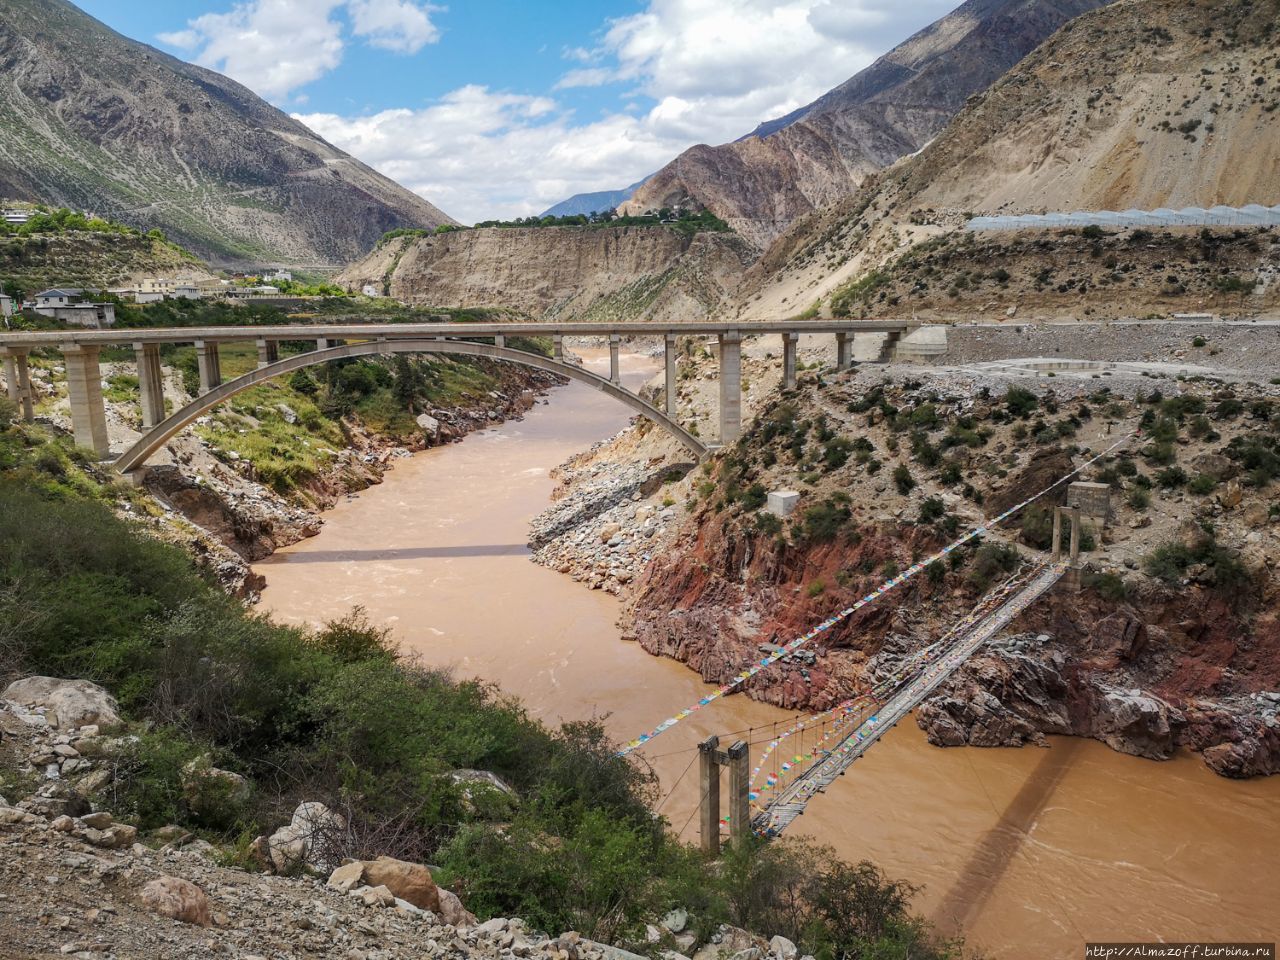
[(710, 759)]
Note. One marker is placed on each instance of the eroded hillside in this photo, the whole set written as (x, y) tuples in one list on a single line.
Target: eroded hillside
[(584, 273)]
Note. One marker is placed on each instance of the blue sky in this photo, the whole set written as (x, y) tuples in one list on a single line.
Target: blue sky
[(500, 108)]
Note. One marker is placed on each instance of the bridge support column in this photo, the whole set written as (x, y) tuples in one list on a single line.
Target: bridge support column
[(268, 353), (84, 388), (1057, 534), (1075, 536), (730, 387), (210, 366), (615, 366), (844, 351), (150, 383), (789, 343), (557, 347), (499, 341), (709, 788), (17, 375), (672, 380), (739, 797), (323, 343)]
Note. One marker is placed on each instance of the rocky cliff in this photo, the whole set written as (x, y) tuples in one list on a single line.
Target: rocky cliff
[(96, 121), (587, 273), (793, 165), (1172, 641)]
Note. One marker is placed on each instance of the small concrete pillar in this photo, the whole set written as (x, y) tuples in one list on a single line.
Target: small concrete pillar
[(210, 366), (789, 344), (499, 341), (150, 383), (672, 371), (1075, 536), (615, 365), (84, 389), (1057, 534), (844, 350), (739, 795), (268, 353), (323, 343), (17, 376), (889, 348), (709, 789), (730, 387), (782, 503), (557, 346)]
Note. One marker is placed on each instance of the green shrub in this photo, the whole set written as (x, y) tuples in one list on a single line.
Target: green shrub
[(991, 562), (932, 509), (902, 479), (823, 521), (1020, 402)]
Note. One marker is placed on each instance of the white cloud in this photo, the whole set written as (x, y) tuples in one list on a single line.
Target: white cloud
[(397, 25), (276, 46), (689, 71)]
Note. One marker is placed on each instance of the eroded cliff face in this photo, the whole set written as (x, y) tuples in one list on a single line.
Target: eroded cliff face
[(583, 273)]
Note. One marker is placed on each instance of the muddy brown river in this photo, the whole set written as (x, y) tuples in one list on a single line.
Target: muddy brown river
[(1029, 853)]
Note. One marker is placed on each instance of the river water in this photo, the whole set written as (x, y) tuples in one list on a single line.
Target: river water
[(1029, 853)]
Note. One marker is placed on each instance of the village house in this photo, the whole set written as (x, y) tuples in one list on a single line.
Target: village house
[(6, 306), (65, 304), (57, 297)]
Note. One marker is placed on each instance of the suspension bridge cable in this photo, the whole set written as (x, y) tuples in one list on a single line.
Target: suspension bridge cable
[(689, 767), (875, 595)]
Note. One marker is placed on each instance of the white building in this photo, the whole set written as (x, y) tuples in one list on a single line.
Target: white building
[(57, 297), (280, 275), (369, 290), (18, 217), (6, 306)]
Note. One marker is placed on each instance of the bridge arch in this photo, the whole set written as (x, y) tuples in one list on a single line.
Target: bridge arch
[(137, 455)]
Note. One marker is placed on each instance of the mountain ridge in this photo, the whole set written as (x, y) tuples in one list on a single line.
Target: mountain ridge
[(95, 120), (796, 164)]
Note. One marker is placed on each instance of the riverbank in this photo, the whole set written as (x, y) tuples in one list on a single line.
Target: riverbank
[(1023, 850)]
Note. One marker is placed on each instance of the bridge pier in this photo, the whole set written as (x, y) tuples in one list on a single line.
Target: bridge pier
[(557, 347), (670, 357), (738, 759), (789, 343), (615, 364), (150, 383), (499, 341), (268, 353), (844, 350), (84, 389), (17, 374), (730, 387), (210, 366), (323, 343)]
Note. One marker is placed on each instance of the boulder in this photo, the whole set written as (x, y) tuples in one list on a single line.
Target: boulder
[(783, 949), (1136, 723), (311, 839), (178, 899), (347, 877), (207, 788), (452, 911), (407, 881), (68, 704), (676, 920), (429, 425)]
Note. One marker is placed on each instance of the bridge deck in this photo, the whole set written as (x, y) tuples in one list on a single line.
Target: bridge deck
[(416, 331), (790, 803)]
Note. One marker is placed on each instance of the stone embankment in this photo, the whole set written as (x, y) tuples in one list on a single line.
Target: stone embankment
[(603, 530)]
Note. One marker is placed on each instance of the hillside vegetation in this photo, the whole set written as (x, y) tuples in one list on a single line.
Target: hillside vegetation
[(337, 715)]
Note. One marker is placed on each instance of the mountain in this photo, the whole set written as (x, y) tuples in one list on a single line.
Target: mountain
[(583, 203), (95, 121), (566, 273), (1142, 104), (822, 152)]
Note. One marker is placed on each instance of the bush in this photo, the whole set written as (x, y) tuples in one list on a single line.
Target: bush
[(1020, 402), (1202, 485), (1109, 586), (931, 510), (823, 522), (903, 480), (991, 561)]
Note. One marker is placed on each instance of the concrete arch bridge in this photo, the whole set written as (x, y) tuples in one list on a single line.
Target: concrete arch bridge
[(80, 350)]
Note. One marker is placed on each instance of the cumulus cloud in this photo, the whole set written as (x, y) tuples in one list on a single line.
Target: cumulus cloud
[(687, 71), (276, 46)]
